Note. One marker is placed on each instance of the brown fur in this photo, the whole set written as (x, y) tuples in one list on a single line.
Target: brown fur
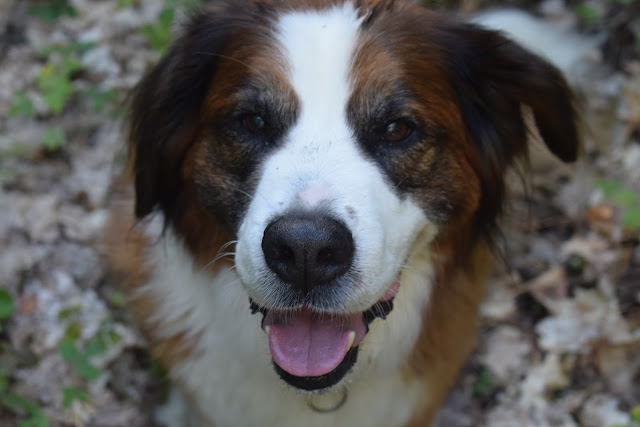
[(126, 255), (450, 323)]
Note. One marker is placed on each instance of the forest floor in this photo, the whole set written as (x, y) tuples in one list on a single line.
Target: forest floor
[(560, 341)]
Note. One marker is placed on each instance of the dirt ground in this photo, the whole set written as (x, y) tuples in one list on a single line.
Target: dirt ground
[(560, 343)]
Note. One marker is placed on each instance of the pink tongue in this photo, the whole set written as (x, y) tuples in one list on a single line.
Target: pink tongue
[(309, 345)]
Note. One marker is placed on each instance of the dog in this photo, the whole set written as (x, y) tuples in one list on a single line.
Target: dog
[(307, 218)]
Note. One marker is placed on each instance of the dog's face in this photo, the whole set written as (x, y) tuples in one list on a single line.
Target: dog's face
[(334, 143)]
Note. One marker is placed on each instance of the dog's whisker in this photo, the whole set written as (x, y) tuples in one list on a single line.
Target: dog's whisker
[(408, 267), (217, 258), (226, 245)]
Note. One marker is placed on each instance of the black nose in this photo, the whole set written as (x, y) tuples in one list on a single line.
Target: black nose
[(307, 250)]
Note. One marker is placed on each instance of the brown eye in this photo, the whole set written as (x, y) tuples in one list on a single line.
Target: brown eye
[(397, 130), (254, 123)]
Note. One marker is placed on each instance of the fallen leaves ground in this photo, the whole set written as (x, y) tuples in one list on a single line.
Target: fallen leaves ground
[(560, 344)]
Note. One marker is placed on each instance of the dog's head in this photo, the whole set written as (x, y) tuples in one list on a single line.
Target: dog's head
[(334, 141)]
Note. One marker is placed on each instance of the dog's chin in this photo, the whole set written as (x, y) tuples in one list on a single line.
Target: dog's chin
[(314, 351)]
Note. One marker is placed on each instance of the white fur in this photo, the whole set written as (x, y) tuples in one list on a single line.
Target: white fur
[(230, 367)]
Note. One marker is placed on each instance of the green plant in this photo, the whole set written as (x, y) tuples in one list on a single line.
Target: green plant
[(122, 4), (54, 83), (21, 106), (117, 298), (78, 359), (6, 307), (30, 414), (159, 34), (52, 10), (53, 138), (70, 394), (80, 356), (55, 79), (625, 198), (484, 383), (99, 98), (587, 14)]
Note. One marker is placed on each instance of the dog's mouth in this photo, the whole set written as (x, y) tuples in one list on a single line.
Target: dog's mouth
[(314, 351)]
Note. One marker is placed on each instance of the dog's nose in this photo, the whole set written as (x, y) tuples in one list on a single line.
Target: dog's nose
[(307, 250)]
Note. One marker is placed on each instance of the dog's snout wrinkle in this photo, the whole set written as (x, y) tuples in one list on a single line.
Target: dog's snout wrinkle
[(308, 250)]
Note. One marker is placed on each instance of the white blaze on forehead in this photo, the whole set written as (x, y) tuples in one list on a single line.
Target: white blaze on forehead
[(319, 46)]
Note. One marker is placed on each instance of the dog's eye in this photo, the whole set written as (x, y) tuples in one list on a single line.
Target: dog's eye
[(397, 130), (254, 123)]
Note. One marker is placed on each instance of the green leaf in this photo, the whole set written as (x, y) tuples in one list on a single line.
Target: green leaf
[(79, 47), (67, 313), (165, 19), (87, 371), (484, 383), (95, 346), (21, 105), (6, 304), (122, 4), (156, 370), (73, 332), (586, 13), (114, 337), (69, 394), (67, 49), (69, 352), (635, 413), (159, 34), (17, 403), (631, 217), (55, 87), (52, 10), (53, 138), (100, 98), (36, 420), (625, 197), (71, 355), (117, 298), (608, 187), (3, 383)]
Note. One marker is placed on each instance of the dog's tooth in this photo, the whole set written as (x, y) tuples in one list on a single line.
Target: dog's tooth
[(352, 338), (267, 330)]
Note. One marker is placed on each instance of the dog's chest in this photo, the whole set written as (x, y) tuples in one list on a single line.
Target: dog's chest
[(229, 374)]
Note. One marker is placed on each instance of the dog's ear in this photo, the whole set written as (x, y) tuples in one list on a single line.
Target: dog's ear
[(493, 78), (165, 109)]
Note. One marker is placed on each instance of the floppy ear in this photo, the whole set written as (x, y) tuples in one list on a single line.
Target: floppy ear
[(493, 78), (165, 110)]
